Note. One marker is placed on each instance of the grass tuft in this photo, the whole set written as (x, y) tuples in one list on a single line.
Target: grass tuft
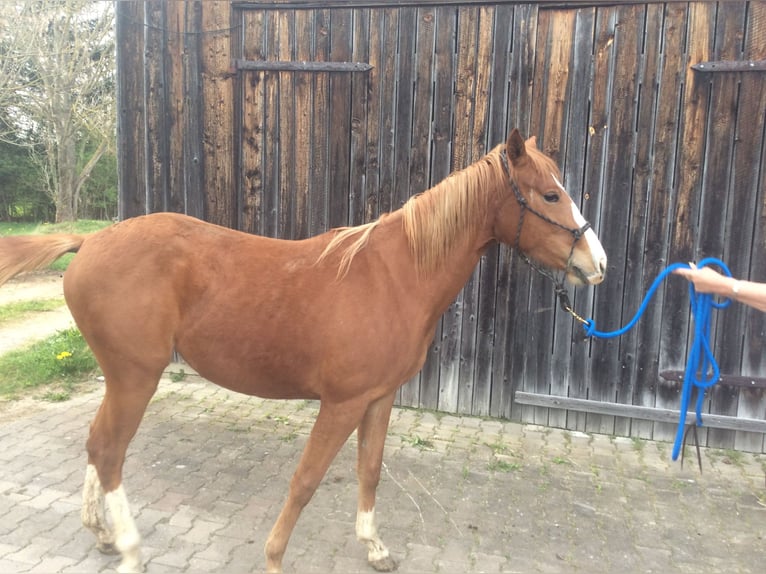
[(20, 309), (63, 359)]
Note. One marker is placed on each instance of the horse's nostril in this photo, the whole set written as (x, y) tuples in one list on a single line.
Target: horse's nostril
[(602, 267)]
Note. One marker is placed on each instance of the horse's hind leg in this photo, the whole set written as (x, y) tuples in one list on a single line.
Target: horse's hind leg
[(112, 429), (92, 514), (371, 440)]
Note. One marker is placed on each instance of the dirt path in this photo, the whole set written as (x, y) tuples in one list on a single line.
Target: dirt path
[(21, 332)]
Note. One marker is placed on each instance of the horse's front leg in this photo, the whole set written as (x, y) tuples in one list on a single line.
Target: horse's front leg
[(372, 437), (332, 428)]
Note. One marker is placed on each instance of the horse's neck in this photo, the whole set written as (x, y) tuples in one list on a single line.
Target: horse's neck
[(436, 289)]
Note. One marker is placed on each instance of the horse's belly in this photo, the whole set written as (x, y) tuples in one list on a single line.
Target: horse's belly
[(266, 378)]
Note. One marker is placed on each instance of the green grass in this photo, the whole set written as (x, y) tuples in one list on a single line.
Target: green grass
[(60, 361), (21, 309), (80, 226)]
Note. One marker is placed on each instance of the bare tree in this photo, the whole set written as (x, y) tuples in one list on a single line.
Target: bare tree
[(57, 70)]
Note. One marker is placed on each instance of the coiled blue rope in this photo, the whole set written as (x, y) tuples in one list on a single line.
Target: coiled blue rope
[(701, 360)]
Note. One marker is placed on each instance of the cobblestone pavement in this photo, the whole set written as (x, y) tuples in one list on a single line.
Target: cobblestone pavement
[(208, 472)]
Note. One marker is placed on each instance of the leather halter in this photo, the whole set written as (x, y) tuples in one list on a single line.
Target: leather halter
[(577, 233)]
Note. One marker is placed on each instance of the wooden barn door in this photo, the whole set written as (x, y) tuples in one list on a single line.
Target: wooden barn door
[(301, 102)]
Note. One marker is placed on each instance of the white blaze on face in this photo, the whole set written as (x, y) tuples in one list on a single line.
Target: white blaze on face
[(597, 252)]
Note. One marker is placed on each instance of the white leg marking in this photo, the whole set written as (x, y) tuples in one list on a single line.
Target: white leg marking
[(367, 533), (92, 513), (127, 539)]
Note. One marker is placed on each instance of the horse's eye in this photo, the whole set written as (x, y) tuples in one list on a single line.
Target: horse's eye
[(551, 197)]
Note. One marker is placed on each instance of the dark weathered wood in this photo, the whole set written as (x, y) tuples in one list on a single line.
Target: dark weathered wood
[(668, 164), (752, 105), (631, 411), (729, 66), (301, 66), (214, 87), (157, 120), (577, 360), (319, 218), (304, 4), (725, 380), (730, 242), (360, 95), (602, 179), (301, 165), (444, 65), (523, 48), (250, 197), (131, 109)]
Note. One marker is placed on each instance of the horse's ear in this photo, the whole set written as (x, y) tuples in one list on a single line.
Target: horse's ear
[(515, 147), (532, 142)]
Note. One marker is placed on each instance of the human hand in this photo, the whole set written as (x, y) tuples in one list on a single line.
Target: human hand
[(707, 280)]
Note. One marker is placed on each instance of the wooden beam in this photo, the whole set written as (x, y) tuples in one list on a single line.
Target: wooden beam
[(638, 412), (731, 66), (729, 380), (291, 66)]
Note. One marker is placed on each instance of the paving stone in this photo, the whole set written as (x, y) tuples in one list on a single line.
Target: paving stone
[(209, 471)]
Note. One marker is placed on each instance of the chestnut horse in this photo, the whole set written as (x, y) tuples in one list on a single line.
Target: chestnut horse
[(345, 317)]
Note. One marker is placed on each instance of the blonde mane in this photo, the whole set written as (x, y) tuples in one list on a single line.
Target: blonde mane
[(434, 220)]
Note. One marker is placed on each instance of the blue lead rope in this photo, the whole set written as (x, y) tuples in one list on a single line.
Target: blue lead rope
[(701, 360)]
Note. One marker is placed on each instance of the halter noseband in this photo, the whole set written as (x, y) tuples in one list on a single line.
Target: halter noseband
[(577, 233)]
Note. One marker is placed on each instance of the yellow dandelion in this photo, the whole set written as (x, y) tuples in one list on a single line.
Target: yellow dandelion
[(63, 355)]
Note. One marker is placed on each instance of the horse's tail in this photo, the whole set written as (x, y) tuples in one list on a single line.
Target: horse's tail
[(29, 252)]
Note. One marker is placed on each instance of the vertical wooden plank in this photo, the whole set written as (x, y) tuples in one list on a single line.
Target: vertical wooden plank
[(619, 180), (217, 118), (685, 213), (302, 167), (538, 307), (523, 55), (195, 191), (554, 365), (492, 316), (749, 167), (452, 322), (573, 170), (340, 119), (359, 94), (271, 128), (656, 140), (176, 108), (467, 85), (287, 126), (444, 64), (251, 142), (376, 58), (420, 156), (722, 225), (485, 273), (131, 98), (609, 295), (156, 108), (320, 129), (388, 110)]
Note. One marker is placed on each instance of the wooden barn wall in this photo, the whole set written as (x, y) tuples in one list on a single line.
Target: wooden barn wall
[(669, 164)]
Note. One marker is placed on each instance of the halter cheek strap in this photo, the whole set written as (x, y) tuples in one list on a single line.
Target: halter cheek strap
[(577, 233)]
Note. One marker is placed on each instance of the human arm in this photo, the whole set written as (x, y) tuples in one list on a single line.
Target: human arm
[(707, 280)]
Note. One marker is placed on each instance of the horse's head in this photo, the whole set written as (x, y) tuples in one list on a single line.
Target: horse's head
[(538, 218)]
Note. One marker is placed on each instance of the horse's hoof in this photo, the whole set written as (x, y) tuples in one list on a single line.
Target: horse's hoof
[(386, 564), (130, 568), (107, 548)]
